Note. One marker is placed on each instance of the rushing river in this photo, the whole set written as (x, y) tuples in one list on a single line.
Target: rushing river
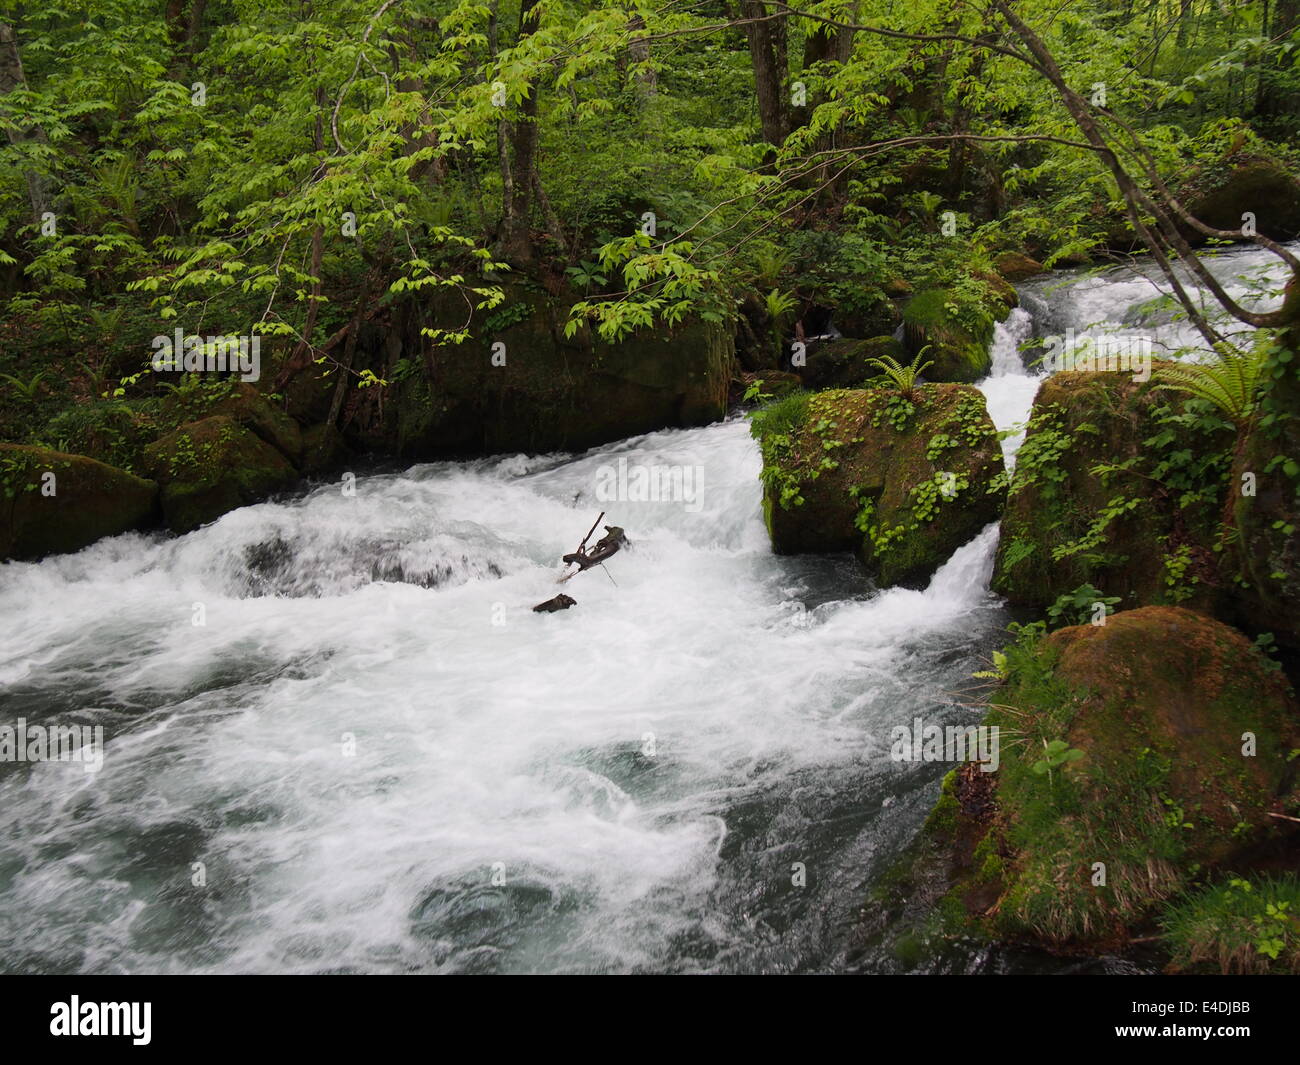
[(373, 756)]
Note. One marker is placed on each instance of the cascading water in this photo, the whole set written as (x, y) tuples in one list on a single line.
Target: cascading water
[(373, 756)]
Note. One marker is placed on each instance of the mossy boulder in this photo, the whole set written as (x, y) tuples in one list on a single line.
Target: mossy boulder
[(956, 333), (902, 482), (1244, 183), (246, 406), (521, 384), (1118, 487), (212, 466), (83, 501), (844, 363), (1183, 730), (1014, 266)]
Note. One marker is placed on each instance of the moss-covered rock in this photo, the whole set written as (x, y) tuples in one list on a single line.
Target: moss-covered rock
[(1013, 266), (117, 431), (957, 335), (903, 483), (246, 406), (1243, 182), (212, 466), (844, 363), (540, 390), (83, 501), (323, 449), (1118, 487), (1185, 731)]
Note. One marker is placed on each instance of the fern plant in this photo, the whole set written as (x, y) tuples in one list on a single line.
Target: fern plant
[(903, 378), (27, 389), (1230, 383)]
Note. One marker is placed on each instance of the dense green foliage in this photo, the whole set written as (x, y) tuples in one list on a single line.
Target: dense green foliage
[(280, 168)]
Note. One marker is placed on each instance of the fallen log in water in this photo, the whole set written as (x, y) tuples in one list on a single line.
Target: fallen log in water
[(606, 546)]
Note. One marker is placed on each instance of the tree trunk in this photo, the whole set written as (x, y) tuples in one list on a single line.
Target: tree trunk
[(517, 144), (767, 52), (12, 77), (1272, 102)]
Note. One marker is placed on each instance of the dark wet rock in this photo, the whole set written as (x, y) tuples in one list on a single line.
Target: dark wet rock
[(560, 602), (85, 500)]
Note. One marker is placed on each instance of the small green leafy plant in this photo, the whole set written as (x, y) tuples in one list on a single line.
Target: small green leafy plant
[(1055, 754)]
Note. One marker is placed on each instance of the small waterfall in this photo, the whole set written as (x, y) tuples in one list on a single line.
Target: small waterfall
[(1010, 388)]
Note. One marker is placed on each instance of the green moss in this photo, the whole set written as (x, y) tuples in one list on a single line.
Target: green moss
[(943, 818), (956, 332), (1113, 481), (857, 470)]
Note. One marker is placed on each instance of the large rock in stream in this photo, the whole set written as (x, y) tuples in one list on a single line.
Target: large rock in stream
[(212, 466), (52, 502), (952, 331), (1184, 732), (903, 483), (1117, 486)]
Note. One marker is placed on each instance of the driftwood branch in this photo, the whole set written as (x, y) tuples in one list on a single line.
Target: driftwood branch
[(607, 545)]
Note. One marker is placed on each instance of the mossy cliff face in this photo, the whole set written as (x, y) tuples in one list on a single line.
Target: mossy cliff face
[(1117, 485), (1185, 732), (83, 501), (902, 483), (520, 385), (212, 466)]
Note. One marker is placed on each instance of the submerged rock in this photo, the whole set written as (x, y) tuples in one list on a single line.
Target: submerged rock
[(560, 602), (904, 483), (84, 500), (212, 466)]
